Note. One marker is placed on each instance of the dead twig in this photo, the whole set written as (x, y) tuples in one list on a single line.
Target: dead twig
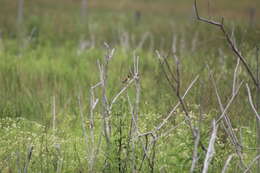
[(83, 123), (211, 148), (251, 103), (229, 40), (229, 103), (195, 157), (227, 163), (28, 159), (229, 129), (252, 163), (176, 106), (93, 103)]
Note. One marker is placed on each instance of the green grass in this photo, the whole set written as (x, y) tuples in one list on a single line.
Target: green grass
[(44, 67)]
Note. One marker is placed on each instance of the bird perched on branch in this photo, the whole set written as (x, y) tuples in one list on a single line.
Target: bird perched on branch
[(128, 77)]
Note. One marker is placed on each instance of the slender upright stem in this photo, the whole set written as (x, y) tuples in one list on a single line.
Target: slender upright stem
[(258, 106), (20, 13), (84, 7)]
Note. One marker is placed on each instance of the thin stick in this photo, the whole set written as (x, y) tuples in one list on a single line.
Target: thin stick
[(84, 6), (235, 77), (168, 132), (252, 163), (230, 42), (177, 105), (83, 123), (54, 113), (229, 130), (195, 157), (28, 159), (176, 89), (211, 149), (227, 163), (120, 93), (20, 12), (137, 90), (258, 105), (251, 103), (105, 110), (229, 103), (93, 103)]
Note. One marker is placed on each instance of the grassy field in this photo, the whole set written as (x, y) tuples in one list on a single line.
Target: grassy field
[(97, 93)]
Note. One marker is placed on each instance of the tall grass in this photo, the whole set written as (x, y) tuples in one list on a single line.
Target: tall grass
[(69, 105)]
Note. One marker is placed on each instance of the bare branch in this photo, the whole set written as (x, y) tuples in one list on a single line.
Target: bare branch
[(137, 89), (227, 163), (177, 105), (230, 42), (252, 163), (28, 159), (211, 148), (251, 103), (229, 103), (168, 132), (229, 128), (203, 19), (195, 157), (120, 93), (235, 77), (54, 113), (93, 103), (83, 122)]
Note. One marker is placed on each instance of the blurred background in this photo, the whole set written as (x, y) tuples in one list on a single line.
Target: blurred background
[(61, 41), (56, 18)]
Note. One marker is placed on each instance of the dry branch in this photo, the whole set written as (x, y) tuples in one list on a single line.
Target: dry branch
[(176, 106), (252, 163), (227, 122), (229, 40), (211, 148), (227, 163), (229, 103), (251, 103), (195, 157), (83, 122), (28, 159), (93, 103), (20, 14), (174, 80)]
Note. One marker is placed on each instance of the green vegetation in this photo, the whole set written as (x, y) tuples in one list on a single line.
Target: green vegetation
[(49, 121)]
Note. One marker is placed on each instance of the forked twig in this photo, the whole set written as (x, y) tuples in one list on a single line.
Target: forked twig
[(176, 106), (174, 80), (229, 128), (103, 70), (229, 103), (231, 42)]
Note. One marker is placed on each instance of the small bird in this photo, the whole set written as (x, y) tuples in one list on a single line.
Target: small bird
[(127, 79)]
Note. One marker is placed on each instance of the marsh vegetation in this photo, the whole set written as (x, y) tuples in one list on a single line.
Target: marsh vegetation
[(129, 86)]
